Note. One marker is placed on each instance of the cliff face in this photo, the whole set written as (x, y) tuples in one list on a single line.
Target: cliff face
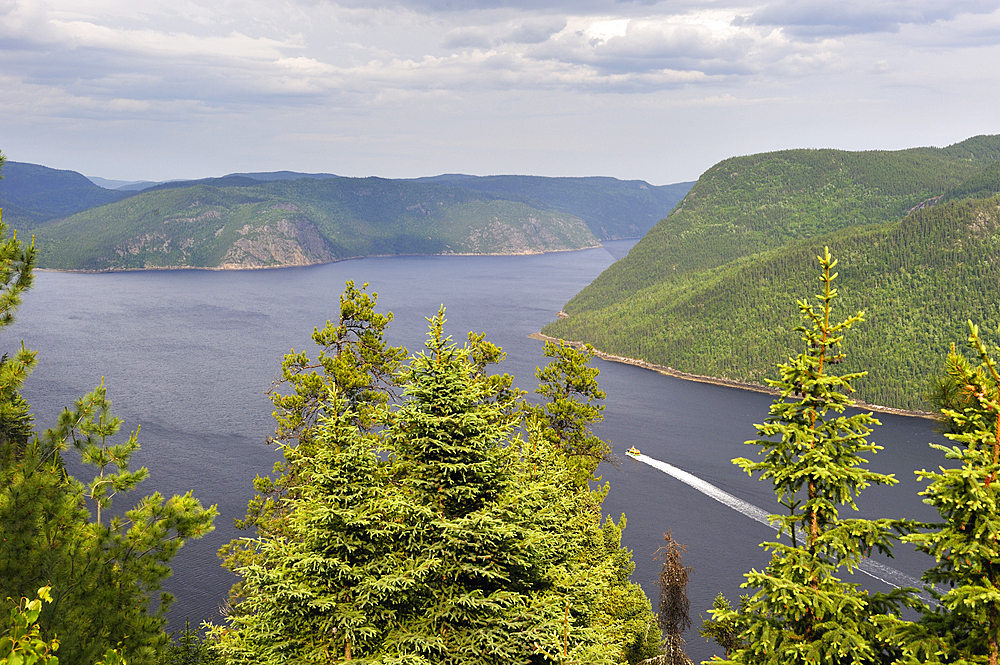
[(287, 243)]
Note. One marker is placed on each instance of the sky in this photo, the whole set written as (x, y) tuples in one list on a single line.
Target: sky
[(656, 91)]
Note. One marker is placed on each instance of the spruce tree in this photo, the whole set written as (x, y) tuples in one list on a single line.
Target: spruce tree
[(965, 624), (813, 455), (445, 536), (571, 406), (353, 372)]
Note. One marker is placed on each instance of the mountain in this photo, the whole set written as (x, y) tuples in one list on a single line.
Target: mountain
[(282, 175), (31, 194), (712, 289), (612, 208), (289, 218), (242, 222)]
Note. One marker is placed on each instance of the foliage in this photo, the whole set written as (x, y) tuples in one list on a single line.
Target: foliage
[(710, 288), (22, 643), (439, 536), (354, 372), (965, 627), (918, 279), (725, 630), (249, 223), (801, 612), (32, 195), (610, 207), (569, 385), (254, 220)]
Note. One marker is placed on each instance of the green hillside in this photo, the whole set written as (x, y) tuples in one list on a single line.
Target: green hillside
[(245, 223), (712, 289), (612, 208), (31, 194), (745, 205)]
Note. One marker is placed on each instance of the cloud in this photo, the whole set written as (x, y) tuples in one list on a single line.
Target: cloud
[(386, 64), (460, 38), (535, 31), (811, 19)]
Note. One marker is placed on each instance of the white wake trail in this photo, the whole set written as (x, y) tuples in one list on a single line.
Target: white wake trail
[(894, 578)]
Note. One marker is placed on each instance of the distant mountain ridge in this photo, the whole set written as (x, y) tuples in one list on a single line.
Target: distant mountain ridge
[(245, 220), (31, 194), (712, 288)]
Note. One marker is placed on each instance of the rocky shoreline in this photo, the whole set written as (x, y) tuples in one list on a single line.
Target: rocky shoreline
[(234, 267), (729, 383)]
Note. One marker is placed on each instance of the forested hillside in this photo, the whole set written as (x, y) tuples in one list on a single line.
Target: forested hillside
[(284, 218), (31, 194), (244, 223), (709, 290), (612, 208)]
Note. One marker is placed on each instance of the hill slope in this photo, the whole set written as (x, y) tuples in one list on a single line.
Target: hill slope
[(239, 222), (612, 208), (287, 218), (31, 194), (712, 289)]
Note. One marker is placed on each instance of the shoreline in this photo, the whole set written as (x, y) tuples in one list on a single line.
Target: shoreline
[(717, 381), (307, 265)]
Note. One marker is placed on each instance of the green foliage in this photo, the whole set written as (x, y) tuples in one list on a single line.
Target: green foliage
[(611, 208), (354, 373), (238, 222), (726, 628), (568, 385), (966, 625), (22, 643), (188, 648), (33, 194), (353, 357), (812, 454), (747, 205), (434, 533), (917, 279), (709, 289)]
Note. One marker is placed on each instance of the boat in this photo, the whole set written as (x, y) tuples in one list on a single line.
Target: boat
[(633, 452)]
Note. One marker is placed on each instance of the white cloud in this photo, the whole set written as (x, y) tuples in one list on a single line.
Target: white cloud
[(319, 64)]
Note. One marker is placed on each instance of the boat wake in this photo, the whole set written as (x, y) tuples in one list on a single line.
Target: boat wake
[(879, 571)]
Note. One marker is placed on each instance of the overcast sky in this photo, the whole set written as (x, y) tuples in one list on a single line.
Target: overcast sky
[(658, 91)]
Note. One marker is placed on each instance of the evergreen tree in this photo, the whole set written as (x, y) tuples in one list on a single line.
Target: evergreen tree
[(354, 372), (569, 385), (726, 630), (443, 537), (965, 625), (801, 612)]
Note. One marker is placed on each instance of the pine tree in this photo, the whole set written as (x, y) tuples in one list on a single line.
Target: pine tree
[(801, 612)]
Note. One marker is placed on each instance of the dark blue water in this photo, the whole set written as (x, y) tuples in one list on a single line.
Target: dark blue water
[(189, 355)]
